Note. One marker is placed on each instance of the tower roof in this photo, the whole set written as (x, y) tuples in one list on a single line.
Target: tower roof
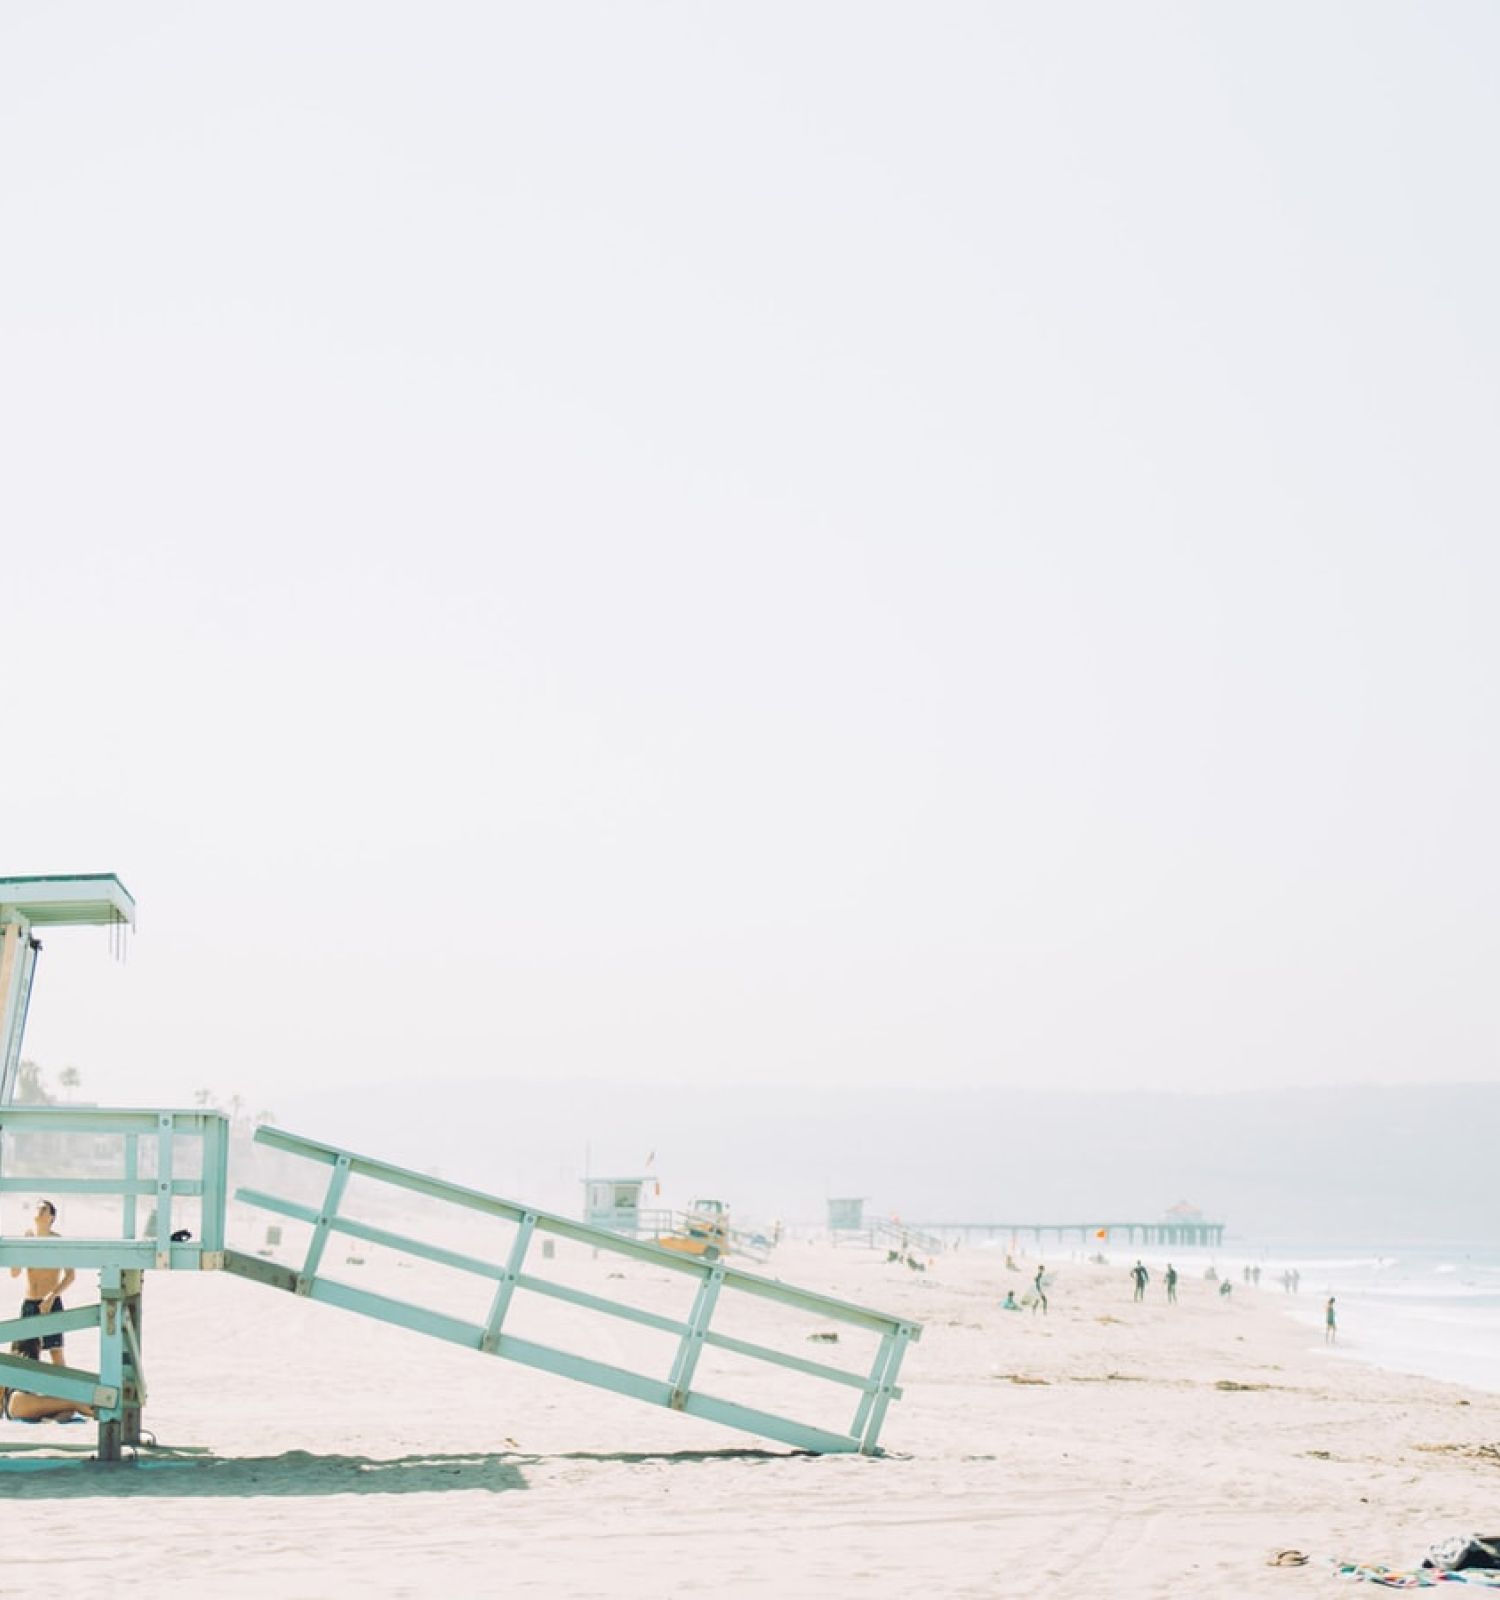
[(88, 899)]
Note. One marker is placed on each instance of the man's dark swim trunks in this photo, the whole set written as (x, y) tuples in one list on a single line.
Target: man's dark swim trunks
[(32, 1348)]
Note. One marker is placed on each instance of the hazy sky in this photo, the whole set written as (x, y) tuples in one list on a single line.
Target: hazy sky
[(845, 543)]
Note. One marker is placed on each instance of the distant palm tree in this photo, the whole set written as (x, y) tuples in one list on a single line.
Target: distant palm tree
[(70, 1078), (30, 1090)]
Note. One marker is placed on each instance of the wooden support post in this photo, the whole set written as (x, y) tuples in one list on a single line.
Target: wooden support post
[(164, 1131), (133, 1388), (111, 1361), (686, 1360), (893, 1347), (132, 1172), (215, 1182), (337, 1183), (506, 1288), (877, 1374)]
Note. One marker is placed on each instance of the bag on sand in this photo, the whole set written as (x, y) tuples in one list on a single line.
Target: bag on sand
[(1463, 1551)]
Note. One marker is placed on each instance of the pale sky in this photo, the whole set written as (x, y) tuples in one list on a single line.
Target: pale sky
[(840, 544)]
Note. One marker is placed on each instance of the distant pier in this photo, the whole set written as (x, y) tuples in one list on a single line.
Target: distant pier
[(1175, 1232)]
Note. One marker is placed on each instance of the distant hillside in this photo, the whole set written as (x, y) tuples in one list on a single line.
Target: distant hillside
[(1374, 1165)]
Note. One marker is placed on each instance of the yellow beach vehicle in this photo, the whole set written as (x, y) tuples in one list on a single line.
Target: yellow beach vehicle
[(702, 1230)]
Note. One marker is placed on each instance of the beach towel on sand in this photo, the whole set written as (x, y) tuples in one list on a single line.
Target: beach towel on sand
[(1417, 1577)]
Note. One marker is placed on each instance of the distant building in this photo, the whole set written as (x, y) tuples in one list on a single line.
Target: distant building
[(1183, 1211), (615, 1203)]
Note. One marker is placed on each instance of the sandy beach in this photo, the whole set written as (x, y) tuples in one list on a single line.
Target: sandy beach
[(1107, 1447)]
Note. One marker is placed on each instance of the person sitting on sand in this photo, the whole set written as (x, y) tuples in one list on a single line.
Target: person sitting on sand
[(19, 1406), (1330, 1323), (1009, 1302), (1226, 1289)]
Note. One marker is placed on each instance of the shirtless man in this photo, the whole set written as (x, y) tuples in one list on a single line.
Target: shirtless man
[(44, 1287)]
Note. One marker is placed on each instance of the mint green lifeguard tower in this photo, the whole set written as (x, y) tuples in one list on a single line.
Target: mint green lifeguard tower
[(178, 1162)]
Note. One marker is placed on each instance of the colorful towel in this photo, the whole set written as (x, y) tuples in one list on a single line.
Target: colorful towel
[(1417, 1577)]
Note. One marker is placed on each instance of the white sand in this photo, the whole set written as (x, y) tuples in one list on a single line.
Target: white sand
[(347, 1456)]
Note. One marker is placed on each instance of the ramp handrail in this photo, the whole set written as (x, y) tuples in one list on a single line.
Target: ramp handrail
[(876, 1389)]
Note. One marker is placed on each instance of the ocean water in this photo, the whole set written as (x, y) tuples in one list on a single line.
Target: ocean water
[(1428, 1309), (1432, 1310)]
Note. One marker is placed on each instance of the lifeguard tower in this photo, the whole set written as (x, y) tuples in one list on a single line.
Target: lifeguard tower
[(846, 1216), (615, 1204), (178, 1161)]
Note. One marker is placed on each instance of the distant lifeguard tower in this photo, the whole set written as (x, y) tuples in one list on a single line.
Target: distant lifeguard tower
[(846, 1215), (615, 1203)]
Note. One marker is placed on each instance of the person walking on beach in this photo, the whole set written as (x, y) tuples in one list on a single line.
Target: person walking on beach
[(44, 1287), (1142, 1278), (1040, 1300), (1330, 1323), (1170, 1279)]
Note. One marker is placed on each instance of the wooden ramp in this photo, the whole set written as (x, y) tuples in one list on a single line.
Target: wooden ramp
[(513, 1276), (177, 1163)]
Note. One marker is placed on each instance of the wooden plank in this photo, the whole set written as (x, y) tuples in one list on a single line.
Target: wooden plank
[(769, 1425), (592, 1302), (271, 1273), (62, 1383), (780, 1358), (809, 1300), (140, 1254), (282, 1208), (400, 1313), (69, 1321), (582, 1370), (373, 1235), (79, 1119), (189, 1187), (416, 1247)]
